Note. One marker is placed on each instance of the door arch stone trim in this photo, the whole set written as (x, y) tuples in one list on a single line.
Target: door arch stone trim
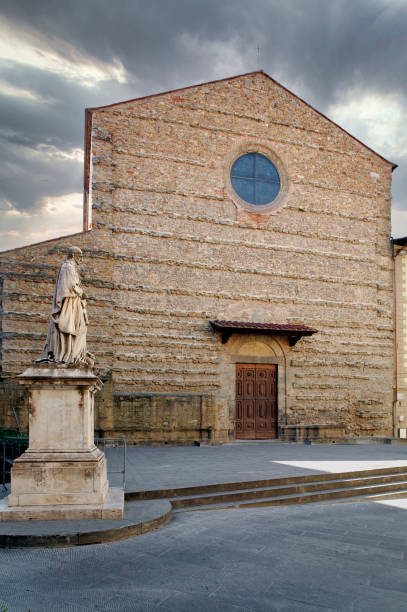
[(274, 349)]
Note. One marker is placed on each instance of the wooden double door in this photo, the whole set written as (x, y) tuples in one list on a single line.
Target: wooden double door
[(256, 401)]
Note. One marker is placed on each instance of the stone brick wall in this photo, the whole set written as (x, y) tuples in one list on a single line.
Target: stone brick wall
[(172, 250)]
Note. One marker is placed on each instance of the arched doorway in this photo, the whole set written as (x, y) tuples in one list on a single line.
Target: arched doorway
[(254, 381)]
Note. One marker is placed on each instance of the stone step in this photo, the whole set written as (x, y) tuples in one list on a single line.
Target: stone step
[(261, 484), (366, 493), (287, 490), (139, 518)]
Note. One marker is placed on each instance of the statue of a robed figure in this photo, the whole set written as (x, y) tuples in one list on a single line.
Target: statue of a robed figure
[(66, 339), (62, 474)]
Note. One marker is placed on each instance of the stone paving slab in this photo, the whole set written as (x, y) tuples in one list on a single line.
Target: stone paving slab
[(340, 557)]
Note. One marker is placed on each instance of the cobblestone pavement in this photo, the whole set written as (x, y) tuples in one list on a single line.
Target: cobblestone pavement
[(349, 557)]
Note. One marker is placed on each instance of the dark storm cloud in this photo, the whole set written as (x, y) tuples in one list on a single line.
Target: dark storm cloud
[(322, 49), (324, 45), (56, 118), (28, 175)]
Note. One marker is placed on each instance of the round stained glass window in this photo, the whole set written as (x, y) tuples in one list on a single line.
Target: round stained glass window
[(255, 179)]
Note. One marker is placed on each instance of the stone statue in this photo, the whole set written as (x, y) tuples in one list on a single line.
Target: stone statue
[(66, 339)]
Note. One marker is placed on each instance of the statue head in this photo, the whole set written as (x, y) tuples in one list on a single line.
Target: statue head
[(75, 253)]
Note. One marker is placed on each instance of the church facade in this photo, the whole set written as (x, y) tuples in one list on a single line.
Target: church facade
[(238, 268)]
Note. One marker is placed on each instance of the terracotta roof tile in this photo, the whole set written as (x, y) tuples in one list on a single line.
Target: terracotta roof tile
[(293, 332), (272, 326)]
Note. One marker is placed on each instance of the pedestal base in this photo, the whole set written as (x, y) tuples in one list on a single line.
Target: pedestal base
[(62, 475), (55, 478), (112, 508)]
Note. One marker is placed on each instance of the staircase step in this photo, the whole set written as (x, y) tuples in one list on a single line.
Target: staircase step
[(360, 493), (272, 492), (360, 485), (260, 484)]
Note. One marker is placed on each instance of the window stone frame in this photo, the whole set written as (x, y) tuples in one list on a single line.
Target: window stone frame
[(256, 147)]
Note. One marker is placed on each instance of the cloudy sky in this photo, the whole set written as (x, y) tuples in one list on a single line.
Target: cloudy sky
[(348, 58)]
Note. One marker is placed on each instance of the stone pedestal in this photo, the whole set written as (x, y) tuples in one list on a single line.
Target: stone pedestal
[(62, 471)]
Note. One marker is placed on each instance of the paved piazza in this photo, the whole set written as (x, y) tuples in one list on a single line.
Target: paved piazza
[(346, 556), (315, 557)]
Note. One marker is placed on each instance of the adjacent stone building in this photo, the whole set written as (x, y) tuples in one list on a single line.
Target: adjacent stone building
[(399, 246), (238, 267)]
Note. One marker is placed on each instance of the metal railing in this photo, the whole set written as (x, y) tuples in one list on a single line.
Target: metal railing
[(115, 451), (11, 447)]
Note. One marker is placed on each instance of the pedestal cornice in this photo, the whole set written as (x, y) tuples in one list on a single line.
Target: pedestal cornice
[(58, 375)]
